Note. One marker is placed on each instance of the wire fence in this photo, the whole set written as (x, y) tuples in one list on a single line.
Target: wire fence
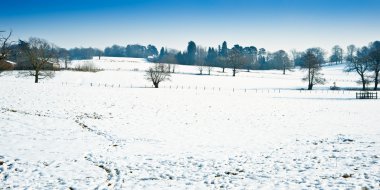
[(199, 88), (217, 89)]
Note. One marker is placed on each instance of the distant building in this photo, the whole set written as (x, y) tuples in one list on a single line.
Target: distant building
[(51, 65)]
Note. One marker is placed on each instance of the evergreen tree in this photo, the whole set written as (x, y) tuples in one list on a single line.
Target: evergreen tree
[(224, 50), (162, 53), (262, 53), (191, 51), (151, 50), (211, 57), (223, 56)]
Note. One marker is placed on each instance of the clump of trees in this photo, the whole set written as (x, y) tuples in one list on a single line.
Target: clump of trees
[(280, 60), (79, 53), (236, 58), (205, 59), (157, 73), (336, 54), (363, 61), (167, 56), (134, 50)]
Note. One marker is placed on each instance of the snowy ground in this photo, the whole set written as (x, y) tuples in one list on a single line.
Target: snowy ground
[(55, 136)]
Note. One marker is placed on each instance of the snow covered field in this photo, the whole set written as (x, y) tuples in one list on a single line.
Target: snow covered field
[(58, 136)]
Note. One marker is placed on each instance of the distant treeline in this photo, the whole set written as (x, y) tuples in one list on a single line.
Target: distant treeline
[(235, 57), (38, 54)]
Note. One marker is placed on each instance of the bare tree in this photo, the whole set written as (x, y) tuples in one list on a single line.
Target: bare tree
[(5, 49), (5, 45), (280, 60), (222, 62), (360, 63), (66, 58), (157, 74), (286, 63), (170, 59), (312, 64), (200, 59), (294, 55), (337, 54), (39, 53), (236, 58), (209, 69), (350, 52), (375, 61)]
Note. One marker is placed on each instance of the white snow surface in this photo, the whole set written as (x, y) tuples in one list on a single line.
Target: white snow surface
[(82, 131)]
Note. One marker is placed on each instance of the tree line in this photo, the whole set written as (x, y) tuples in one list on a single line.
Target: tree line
[(36, 54)]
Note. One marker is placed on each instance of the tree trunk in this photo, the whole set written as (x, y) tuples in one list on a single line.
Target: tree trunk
[(36, 77), (376, 80), (233, 72), (283, 71), (223, 70), (155, 85), (310, 87), (363, 82)]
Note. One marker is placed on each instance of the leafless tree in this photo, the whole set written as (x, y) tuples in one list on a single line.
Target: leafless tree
[(222, 62), (5, 45), (66, 58), (200, 59), (286, 63), (5, 49), (294, 55), (170, 59), (173, 68), (280, 60), (337, 54), (360, 63), (375, 61), (312, 64), (236, 58), (157, 74), (350, 52), (209, 69), (39, 53)]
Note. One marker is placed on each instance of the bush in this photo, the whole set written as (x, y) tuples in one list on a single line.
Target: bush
[(87, 67)]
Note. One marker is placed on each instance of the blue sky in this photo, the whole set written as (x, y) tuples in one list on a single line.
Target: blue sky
[(272, 24)]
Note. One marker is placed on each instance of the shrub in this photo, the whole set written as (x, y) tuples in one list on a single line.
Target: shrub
[(87, 67)]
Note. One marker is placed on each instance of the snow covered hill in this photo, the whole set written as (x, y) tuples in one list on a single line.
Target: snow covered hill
[(78, 136)]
